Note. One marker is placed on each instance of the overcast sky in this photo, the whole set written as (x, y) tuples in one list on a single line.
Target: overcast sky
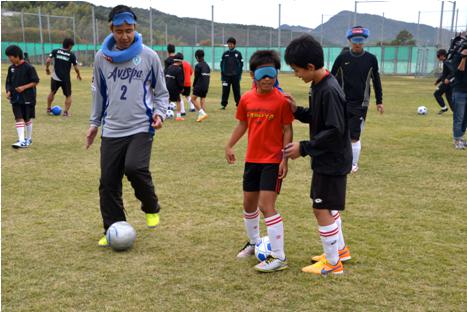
[(300, 12)]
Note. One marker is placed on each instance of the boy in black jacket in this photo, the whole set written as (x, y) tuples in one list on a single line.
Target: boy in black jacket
[(231, 72), (329, 146), (201, 85), (20, 87), (443, 81), (174, 79)]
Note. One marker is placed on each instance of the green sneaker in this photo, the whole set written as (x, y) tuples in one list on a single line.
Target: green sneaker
[(152, 219), (103, 242)]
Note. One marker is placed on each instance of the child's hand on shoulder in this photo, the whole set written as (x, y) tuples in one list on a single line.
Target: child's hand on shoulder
[(291, 101)]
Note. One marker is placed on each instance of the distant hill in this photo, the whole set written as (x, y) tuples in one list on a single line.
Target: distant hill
[(335, 29), (191, 31)]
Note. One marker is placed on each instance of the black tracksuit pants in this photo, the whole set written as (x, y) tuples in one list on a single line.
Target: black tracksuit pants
[(128, 156), (228, 81), (444, 89)]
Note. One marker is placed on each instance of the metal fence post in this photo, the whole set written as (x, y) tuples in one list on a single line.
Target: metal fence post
[(42, 38)]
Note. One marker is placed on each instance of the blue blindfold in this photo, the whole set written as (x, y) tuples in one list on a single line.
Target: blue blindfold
[(263, 72), (125, 17)]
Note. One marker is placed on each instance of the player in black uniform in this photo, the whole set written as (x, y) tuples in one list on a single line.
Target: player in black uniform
[(20, 88), (354, 70), (170, 55), (63, 58), (174, 79), (443, 81), (328, 147), (201, 85), (231, 72)]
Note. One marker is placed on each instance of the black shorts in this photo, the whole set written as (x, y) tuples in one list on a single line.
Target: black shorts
[(356, 117), (24, 111), (261, 177), (186, 91), (65, 85), (200, 92), (328, 192), (174, 95)]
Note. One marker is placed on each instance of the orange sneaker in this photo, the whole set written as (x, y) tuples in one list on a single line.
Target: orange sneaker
[(332, 269), (324, 268), (344, 255), (179, 119)]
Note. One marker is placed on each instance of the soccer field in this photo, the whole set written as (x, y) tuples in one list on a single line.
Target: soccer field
[(404, 221)]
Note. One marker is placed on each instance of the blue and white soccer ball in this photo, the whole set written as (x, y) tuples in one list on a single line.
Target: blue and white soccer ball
[(263, 248), (56, 110), (121, 235), (172, 106), (169, 114), (422, 110)]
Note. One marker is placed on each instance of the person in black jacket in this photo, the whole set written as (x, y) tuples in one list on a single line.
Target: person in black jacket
[(443, 81), (170, 55), (459, 96), (328, 146), (201, 85), (231, 72), (20, 88), (354, 71), (174, 79)]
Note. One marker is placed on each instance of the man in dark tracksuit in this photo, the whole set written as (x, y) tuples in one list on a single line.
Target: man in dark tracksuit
[(231, 72), (444, 87), (354, 71)]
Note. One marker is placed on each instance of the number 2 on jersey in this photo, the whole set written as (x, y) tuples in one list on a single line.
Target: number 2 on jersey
[(124, 89)]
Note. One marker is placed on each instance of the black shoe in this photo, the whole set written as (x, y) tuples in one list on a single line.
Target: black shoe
[(442, 111), (183, 114)]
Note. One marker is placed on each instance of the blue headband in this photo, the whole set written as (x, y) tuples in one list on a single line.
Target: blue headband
[(267, 71), (125, 17)]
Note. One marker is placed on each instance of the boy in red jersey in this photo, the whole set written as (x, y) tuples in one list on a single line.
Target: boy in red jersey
[(265, 113)]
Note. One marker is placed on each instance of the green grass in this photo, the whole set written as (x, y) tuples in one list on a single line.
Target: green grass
[(405, 217)]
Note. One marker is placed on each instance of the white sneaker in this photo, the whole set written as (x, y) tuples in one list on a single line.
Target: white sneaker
[(459, 145), (247, 251), (19, 144), (354, 168), (28, 142), (271, 264), (201, 117)]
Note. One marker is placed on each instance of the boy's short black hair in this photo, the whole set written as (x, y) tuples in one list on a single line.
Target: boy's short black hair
[(68, 43), (304, 50), (199, 54), (120, 9), (263, 57), (171, 48), (14, 50), (232, 40), (178, 56), (441, 52)]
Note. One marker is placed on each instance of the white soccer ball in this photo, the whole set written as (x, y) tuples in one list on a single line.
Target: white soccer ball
[(263, 248), (422, 110), (169, 114), (121, 235), (172, 106)]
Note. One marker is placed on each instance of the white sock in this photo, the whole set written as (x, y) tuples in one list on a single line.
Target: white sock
[(251, 220), (179, 114), (275, 228), (356, 148), (192, 106), (328, 235), (20, 130), (340, 237), (202, 112), (29, 130), (182, 106)]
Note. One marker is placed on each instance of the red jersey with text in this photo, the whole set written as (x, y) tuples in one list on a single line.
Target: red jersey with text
[(265, 114), (187, 71)]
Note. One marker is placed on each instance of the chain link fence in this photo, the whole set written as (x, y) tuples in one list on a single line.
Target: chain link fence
[(38, 33)]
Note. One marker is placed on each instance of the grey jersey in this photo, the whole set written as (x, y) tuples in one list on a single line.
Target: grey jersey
[(126, 95)]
